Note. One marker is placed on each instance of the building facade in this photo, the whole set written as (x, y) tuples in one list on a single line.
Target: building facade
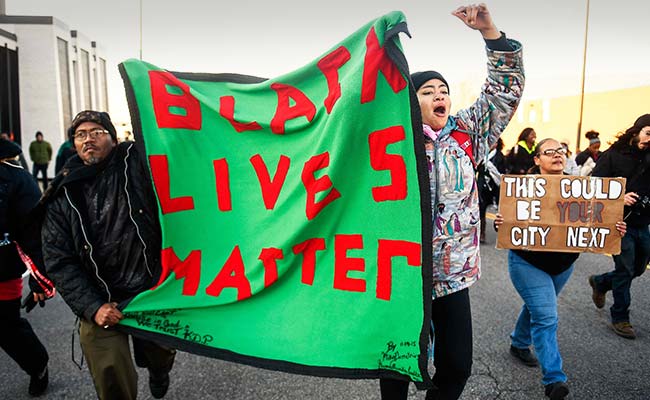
[(609, 113), (52, 73)]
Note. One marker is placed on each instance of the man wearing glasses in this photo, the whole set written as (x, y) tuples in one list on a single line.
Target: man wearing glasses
[(101, 246)]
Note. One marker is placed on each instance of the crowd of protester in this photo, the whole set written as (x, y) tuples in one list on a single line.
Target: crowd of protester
[(85, 207)]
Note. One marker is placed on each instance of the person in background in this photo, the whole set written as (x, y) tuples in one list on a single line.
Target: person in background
[(571, 167), (21, 157), (40, 152), (101, 246), (588, 158), (454, 145), (19, 193), (538, 277), (489, 180), (66, 151), (628, 157), (520, 157)]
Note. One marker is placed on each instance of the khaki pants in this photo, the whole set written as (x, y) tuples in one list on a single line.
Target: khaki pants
[(108, 355)]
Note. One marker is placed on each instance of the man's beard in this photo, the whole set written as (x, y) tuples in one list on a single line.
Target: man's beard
[(92, 160)]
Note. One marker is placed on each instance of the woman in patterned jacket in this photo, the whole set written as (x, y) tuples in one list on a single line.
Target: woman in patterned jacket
[(454, 146)]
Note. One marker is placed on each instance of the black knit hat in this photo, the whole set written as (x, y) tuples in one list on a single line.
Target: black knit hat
[(8, 149), (420, 78), (642, 121), (99, 117)]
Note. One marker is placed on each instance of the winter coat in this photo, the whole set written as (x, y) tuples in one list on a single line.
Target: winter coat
[(101, 235), (627, 161), (488, 178), (454, 193), (585, 154), (40, 152), (66, 151), (520, 159), (19, 194)]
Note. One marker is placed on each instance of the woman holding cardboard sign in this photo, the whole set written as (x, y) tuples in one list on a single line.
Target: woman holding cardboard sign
[(538, 277)]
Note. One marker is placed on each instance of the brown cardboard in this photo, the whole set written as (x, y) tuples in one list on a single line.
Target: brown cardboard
[(561, 213)]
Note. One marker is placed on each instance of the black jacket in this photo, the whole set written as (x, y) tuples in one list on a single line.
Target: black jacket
[(585, 154), (626, 161), (19, 194), (101, 235), (519, 160)]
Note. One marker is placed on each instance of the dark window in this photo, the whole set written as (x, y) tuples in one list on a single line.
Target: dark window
[(9, 99)]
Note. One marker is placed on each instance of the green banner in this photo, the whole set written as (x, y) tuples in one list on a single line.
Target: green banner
[(293, 212)]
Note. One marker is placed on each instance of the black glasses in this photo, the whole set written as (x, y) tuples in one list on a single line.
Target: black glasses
[(93, 134), (551, 152)]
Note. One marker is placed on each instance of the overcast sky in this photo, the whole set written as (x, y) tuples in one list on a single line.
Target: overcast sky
[(270, 38)]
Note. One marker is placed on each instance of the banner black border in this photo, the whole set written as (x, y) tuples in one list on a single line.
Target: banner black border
[(398, 57)]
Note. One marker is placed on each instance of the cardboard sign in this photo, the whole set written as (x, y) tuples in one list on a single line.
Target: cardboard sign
[(563, 213)]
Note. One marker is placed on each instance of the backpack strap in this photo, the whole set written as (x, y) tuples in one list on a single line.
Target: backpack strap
[(464, 141)]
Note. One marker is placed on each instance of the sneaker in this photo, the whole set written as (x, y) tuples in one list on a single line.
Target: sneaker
[(158, 384), (38, 383), (597, 296), (624, 329), (524, 355), (556, 390)]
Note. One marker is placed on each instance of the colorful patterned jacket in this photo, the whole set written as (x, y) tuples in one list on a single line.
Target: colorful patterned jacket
[(454, 194)]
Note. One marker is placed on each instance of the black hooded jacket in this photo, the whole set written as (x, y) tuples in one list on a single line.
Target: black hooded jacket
[(101, 235), (627, 161), (19, 194)]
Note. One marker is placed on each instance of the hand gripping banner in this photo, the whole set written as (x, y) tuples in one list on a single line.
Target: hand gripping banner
[(293, 212)]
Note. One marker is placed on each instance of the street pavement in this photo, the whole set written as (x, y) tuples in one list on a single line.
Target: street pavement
[(599, 364)]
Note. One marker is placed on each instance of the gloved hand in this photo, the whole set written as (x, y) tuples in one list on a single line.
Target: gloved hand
[(34, 285), (29, 302)]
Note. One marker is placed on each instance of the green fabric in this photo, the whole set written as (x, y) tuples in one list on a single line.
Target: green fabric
[(239, 287), (40, 152)]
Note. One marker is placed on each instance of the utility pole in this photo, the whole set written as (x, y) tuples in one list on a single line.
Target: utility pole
[(582, 88), (140, 29)]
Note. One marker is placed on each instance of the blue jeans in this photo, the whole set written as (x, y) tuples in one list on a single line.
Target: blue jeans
[(632, 262), (537, 322)]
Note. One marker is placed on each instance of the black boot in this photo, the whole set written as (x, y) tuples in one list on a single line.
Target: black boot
[(38, 383), (158, 384), (432, 394), (525, 356), (556, 390)]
